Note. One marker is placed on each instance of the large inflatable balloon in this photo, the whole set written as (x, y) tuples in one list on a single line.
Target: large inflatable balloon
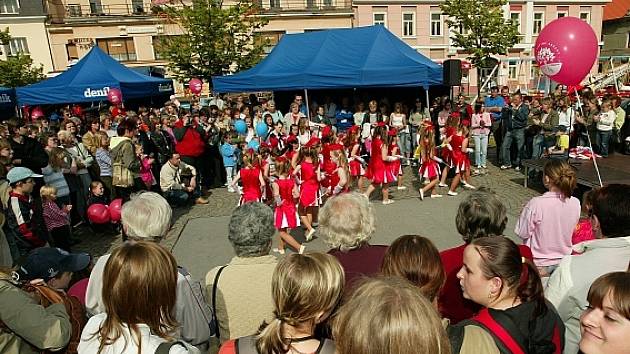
[(114, 96), (566, 50), (98, 214), (253, 144), (240, 126), (115, 208), (261, 129), (195, 85)]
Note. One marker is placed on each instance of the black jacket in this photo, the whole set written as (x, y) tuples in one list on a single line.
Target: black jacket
[(517, 119), (32, 154)]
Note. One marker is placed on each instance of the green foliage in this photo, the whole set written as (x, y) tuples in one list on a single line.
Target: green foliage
[(217, 39), (485, 32), (18, 70)]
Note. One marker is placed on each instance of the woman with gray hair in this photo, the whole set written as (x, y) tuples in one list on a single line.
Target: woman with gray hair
[(240, 292), (147, 217), (346, 224)]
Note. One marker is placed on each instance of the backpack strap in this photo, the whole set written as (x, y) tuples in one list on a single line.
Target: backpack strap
[(328, 347), (215, 286), (500, 331), (165, 348), (245, 345)]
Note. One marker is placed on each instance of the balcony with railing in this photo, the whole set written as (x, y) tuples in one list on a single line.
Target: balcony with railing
[(78, 11), (303, 6)]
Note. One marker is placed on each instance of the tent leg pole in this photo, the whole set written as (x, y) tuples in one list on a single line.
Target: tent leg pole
[(308, 107), (426, 97)]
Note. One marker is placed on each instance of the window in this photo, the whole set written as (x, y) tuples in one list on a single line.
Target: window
[(628, 41), (409, 24), (9, 6), (271, 38), (562, 14), (534, 71), (121, 49), (157, 42), (436, 24), (274, 4), (17, 46), (379, 18), (516, 19), (585, 16), (539, 21), (71, 50), (512, 70)]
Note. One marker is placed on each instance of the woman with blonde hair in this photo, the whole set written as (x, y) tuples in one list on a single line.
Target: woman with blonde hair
[(546, 223), (389, 316), (605, 324), (305, 288), (139, 291)]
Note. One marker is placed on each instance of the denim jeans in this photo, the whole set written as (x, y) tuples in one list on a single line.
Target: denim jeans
[(602, 139), (481, 149), (229, 172), (180, 197), (404, 143), (517, 135), (538, 146)]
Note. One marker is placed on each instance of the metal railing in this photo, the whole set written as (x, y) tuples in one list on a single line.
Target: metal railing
[(134, 8), (277, 6)]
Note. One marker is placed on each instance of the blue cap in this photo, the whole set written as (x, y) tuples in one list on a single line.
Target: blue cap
[(17, 174), (47, 262)]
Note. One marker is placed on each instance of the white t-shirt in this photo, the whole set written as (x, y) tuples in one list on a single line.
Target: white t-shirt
[(90, 343)]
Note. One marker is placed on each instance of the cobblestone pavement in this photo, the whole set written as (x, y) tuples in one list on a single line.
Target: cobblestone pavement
[(508, 184)]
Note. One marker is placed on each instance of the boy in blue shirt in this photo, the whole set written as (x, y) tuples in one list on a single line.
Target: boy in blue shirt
[(228, 152)]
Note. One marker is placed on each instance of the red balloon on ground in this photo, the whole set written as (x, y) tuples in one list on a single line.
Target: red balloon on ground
[(566, 50), (115, 208), (98, 214), (114, 96)]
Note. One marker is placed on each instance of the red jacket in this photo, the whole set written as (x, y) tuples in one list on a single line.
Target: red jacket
[(190, 139)]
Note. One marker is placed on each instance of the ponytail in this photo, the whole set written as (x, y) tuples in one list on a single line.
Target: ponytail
[(270, 339), (530, 287), (561, 175)]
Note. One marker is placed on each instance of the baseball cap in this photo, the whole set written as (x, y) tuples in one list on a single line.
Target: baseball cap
[(17, 174), (47, 262)]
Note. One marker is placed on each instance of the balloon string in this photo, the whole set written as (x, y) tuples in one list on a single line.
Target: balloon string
[(590, 144)]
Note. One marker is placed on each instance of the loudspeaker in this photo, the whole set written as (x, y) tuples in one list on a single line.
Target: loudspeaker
[(452, 72)]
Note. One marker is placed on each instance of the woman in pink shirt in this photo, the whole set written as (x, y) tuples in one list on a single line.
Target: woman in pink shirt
[(547, 222)]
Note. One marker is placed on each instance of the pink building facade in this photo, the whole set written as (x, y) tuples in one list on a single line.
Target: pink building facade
[(421, 25)]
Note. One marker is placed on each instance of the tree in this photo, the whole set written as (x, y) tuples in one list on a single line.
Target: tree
[(18, 70), (483, 31), (217, 39)]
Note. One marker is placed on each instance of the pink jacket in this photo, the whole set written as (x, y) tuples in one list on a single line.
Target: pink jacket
[(476, 123)]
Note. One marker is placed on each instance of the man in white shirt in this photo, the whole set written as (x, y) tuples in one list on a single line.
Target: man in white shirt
[(275, 113)]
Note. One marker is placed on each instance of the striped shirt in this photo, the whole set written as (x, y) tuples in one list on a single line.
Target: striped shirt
[(104, 160), (57, 180), (54, 217)]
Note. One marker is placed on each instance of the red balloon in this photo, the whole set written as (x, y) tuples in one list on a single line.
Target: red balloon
[(115, 208), (37, 113), (98, 214), (195, 85), (114, 96), (566, 50)]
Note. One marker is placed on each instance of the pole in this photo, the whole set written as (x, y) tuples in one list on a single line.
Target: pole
[(426, 97), (612, 65), (308, 108), (590, 144), (484, 84)]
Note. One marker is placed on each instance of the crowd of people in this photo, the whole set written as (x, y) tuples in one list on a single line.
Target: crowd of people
[(563, 289)]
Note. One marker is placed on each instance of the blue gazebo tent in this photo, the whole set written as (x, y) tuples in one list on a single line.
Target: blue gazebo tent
[(90, 79), (7, 103), (338, 58)]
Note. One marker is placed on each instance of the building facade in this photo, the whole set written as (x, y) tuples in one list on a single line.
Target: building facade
[(421, 24), (26, 21)]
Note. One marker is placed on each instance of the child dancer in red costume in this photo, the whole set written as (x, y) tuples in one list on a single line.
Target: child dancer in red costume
[(461, 162), (251, 178), (452, 123), (395, 167), (339, 178), (355, 161), (285, 192), (429, 169), (377, 171), (310, 176)]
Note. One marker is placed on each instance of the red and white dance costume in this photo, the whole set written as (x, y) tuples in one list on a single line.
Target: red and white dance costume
[(447, 149), (250, 179), (461, 161), (354, 162), (429, 168), (286, 215), (394, 167), (377, 171), (309, 187)]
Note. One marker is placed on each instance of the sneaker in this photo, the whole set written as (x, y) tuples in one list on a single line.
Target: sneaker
[(401, 188), (388, 202), (301, 250), (231, 190), (279, 250), (476, 172), (201, 200), (421, 193), (442, 185), (469, 186), (505, 167), (309, 235), (426, 181), (484, 167), (451, 193), (436, 196), (517, 168)]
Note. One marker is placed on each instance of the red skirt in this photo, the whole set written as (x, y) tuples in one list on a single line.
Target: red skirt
[(429, 169), (356, 169), (286, 216)]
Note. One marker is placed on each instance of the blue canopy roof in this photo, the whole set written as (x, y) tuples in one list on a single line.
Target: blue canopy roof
[(338, 58), (7, 97), (90, 79)]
